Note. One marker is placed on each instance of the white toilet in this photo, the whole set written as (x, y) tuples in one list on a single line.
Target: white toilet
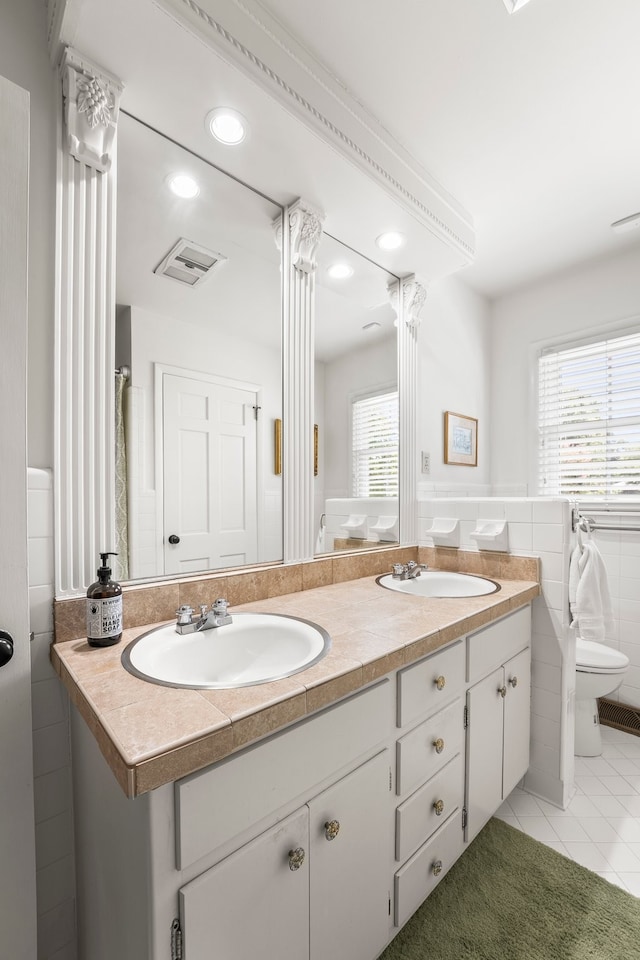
[(599, 671)]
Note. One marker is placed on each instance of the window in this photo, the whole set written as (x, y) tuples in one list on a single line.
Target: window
[(374, 444), (589, 418)]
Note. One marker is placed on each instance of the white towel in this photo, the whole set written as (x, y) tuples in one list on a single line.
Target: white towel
[(589, 600)]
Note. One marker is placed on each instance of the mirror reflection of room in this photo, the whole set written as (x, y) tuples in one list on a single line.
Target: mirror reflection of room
[(198, 338), (356, 403)]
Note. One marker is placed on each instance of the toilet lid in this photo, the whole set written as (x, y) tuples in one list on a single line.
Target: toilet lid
[(598, 656)]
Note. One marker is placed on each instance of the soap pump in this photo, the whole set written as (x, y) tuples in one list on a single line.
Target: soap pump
[(104, 607)]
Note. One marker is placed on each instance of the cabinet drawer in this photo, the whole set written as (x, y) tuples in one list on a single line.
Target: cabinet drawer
[(428, 808), (417, 878), (275, 772), (493, 645), (431, 684), (423, 751)]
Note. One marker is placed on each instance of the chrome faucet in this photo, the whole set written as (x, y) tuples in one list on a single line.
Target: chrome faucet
[(407, 571), (217, 616)]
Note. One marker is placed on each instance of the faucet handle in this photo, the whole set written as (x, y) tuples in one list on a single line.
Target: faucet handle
[(219, 608), (184, 614), (397, 569), (412, 565)]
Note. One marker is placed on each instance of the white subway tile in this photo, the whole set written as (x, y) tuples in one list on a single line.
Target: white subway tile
[(52, 793), (520, 537), (554, 594), (40, 561), (546, 649), (53, 839), (41, 608), (630, 610), (41, 668), (552, 566), (548, 537), (519, 511), (546, 677), (49, 703), (545, 731), (50, 748), (39, 513), (548, 511), (54, 884), (545, 704), (56, 932)]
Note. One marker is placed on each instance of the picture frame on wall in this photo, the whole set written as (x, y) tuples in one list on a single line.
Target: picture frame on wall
[(460, 439)]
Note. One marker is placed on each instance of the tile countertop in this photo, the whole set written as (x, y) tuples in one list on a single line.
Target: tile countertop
[(151, 734)]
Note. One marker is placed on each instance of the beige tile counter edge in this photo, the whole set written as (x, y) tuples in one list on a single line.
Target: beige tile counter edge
[(151, 735)]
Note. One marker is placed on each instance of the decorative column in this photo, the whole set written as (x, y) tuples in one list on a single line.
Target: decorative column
[(408, 297), (297, 236), (84, 448)]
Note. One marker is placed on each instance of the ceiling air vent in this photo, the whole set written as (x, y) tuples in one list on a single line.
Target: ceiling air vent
[(189, 263)]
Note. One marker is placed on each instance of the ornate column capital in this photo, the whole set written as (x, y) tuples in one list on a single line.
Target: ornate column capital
[(305, 230), (414, 295), (91, 101)]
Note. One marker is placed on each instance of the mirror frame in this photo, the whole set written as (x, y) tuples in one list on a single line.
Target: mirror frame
[(84, 357)]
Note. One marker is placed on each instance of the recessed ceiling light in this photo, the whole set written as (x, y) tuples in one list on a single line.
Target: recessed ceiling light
[(627, 224), (391, 240), (183, 185), (514, 5), (227, 125), (340, 271)]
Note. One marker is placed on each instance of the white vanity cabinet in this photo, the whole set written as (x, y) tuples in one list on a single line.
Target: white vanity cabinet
[(429, 775), (290, 892), (321, 839), (497, 715)]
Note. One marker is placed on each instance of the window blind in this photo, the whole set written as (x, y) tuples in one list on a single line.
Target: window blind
[(374, 439), (589, 419)]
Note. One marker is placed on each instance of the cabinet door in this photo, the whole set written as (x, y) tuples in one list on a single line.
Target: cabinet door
[(350, 873), (484, 751), (252, 904), (517, 720)]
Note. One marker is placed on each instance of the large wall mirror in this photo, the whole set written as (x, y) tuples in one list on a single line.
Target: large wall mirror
[(356, 495), (198, 358)]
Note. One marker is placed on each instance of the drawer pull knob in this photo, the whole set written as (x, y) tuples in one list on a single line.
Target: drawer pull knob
[(514, 681), (438, 745), (438, 806), (440, 682), (331, 829), (436, 868), (502, 691), (296, 858)]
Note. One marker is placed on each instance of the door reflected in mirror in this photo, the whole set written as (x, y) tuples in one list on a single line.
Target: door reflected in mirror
[(198, 326), (356, 403)]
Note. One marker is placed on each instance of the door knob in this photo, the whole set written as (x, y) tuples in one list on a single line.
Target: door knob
[(6, 647), (174, 538)]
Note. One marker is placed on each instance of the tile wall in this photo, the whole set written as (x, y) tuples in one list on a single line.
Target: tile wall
[(51, 753), (621, 555), (536, 527)]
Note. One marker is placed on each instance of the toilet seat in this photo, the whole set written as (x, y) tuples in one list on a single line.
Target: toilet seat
[(594, 657)]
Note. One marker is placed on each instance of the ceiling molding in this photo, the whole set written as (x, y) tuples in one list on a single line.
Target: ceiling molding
[(245, 35)]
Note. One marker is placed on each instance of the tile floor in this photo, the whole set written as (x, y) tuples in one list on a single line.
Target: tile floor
[(601, 826)]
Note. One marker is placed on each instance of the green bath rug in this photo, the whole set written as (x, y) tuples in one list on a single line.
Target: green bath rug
[(512, 898)]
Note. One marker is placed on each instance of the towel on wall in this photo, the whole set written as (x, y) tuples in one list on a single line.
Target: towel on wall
[(589, 600)]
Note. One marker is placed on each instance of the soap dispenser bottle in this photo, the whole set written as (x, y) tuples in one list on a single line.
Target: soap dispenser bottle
[(104, 607)]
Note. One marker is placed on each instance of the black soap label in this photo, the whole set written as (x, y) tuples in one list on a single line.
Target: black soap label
[(104, 618)]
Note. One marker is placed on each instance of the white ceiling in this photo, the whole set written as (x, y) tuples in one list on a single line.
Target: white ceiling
[(530, 120)]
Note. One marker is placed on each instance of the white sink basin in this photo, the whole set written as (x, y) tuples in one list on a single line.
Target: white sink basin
[(255, 648), (441, 583)]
